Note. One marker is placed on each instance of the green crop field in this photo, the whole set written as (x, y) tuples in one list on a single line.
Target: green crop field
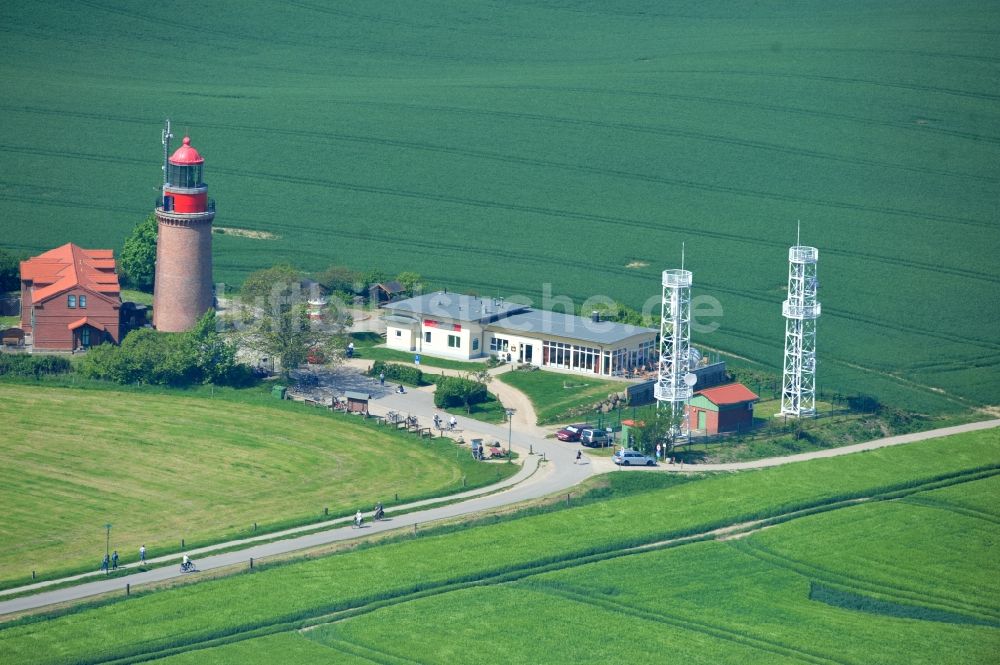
[(557, 586), (560, 398), (561, 147), (162, 468)]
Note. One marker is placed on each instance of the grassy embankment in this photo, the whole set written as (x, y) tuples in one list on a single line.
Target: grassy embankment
[(708, 601), (165, 467), (561, 398)]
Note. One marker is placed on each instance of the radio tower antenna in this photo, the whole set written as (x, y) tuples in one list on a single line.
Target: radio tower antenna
[(165, 139), (674, 380), (801, 309)]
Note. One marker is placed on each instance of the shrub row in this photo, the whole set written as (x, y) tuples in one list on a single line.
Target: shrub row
[(36, 366), (399, 373)]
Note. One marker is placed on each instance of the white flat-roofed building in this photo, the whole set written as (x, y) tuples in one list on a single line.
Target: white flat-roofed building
[(463, 327)]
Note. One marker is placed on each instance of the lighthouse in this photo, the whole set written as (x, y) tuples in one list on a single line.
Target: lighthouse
[(182, 291)]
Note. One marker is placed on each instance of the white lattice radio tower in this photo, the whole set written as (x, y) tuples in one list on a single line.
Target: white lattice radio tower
[(674, 382), (798, 383)]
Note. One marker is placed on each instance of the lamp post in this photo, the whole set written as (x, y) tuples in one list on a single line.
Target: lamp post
[(107, 545), (510, 430)]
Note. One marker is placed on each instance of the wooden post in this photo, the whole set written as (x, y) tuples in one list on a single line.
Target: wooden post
[(326, 511), (32, 574), (128, 589), (251, 563)]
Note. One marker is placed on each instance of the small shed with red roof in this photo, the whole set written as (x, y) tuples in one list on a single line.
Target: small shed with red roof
[(70, 298), (727, 408)]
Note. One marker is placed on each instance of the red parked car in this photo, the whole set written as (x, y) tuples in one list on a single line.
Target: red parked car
[(571, 432)]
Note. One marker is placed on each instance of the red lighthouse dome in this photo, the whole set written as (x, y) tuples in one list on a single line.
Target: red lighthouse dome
[(186, 154)]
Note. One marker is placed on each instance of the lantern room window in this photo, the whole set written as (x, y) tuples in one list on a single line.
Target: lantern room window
[(187, 176)]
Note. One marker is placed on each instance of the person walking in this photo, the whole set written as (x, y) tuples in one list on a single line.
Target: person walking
[(579, 456), (658, 451), (142, 554), (114, 561), (381, 379), (452, 422), (105, 563)]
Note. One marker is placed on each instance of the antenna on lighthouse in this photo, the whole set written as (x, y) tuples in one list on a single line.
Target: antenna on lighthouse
[(165, 139)]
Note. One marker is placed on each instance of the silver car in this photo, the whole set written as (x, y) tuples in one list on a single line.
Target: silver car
[(632, 458)]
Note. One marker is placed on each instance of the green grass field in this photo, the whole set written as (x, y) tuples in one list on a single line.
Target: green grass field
[(553, 587), (487, 149), (561, 398), (161, 468)]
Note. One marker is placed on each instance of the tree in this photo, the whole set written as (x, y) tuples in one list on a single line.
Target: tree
[(10, 271), (411, 281), (659, 428), (337, 279), (272, 287), (288, 335), (138, 258)]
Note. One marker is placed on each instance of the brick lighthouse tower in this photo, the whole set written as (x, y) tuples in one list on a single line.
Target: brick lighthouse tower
[(182, 291)]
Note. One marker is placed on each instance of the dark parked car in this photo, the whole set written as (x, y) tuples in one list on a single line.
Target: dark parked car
[(571, 432), (594, 438)]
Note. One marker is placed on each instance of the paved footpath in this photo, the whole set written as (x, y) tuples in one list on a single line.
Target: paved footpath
[(534, 480)]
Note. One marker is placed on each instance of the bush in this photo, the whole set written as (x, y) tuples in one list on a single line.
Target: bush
[(400, 373), (455, 391), (36, 366), (170, 359)]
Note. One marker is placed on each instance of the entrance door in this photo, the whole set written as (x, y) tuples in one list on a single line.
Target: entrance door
[(701, 421), (526, 353), (85, 337)]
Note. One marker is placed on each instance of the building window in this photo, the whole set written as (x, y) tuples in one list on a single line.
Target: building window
[(454, 341), (499, 344), (427, 336), (85, 337), (475, 343), (83, 302), (71, 302), (399, 333)]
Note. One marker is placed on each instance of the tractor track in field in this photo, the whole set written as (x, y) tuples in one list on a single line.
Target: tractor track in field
[(845, 80), (714, 630), (896, 593), (679, 182), (735, 531)]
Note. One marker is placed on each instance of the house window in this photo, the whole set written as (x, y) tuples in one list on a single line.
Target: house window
[(475, 343), (454, 341), (71, 302), (83, 302), (427, 336), (399, 333), (499, 344)]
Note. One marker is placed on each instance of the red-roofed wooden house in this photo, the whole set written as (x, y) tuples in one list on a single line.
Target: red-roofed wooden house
[(727, 408), (70, 298)]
